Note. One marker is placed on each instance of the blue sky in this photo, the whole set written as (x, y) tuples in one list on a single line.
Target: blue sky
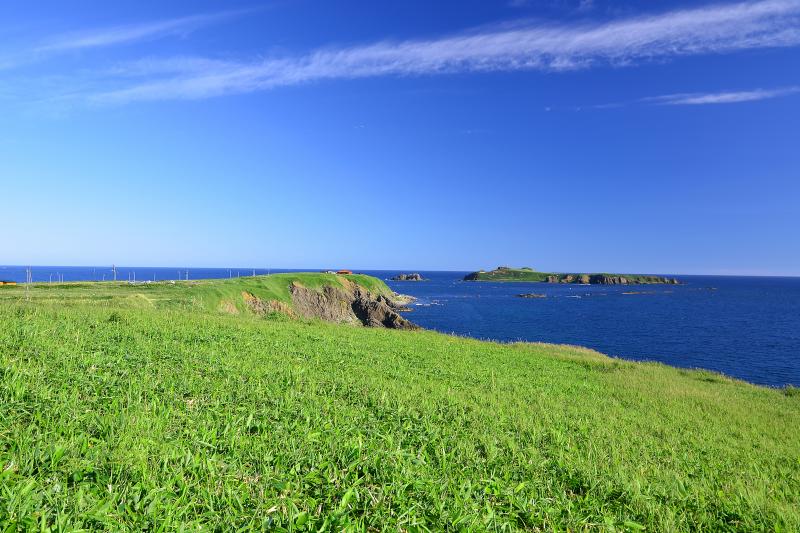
[(566, 135)]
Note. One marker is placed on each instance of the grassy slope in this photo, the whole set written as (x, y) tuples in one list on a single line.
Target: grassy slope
[(198, 295), (121, 417), (516, 274)]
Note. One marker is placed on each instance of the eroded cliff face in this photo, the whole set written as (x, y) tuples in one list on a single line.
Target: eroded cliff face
[(350, 304), (265, 307)]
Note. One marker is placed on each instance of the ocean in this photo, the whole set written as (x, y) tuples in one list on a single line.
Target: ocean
[(744, 327)]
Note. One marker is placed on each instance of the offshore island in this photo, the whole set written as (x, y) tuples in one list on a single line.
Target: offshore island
[(504, 273)]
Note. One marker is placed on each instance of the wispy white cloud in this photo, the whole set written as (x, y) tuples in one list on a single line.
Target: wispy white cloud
[(113, 36), (707, 30), (730, 97), (131, 33)]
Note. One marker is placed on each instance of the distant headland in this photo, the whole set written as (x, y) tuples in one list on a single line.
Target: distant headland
[(505, 273)]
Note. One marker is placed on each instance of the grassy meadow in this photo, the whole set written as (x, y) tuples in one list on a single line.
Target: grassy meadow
[(207, 295), (147, 408)]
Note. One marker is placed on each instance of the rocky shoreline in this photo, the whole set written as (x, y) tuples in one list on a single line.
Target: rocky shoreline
[(610, 279)]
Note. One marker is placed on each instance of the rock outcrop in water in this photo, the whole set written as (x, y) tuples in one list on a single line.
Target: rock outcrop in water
[(408, 277)]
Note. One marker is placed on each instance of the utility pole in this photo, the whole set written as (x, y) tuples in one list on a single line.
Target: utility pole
[(28, 281)]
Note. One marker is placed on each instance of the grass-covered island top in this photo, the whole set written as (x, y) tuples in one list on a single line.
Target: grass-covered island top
[(227, 405), (504, 273)]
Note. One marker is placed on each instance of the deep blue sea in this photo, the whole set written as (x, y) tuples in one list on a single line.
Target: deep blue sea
[(745, 327)]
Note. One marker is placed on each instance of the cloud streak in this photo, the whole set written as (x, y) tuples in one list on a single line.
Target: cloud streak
[(114, 36), (709, 30), (731, 97), (118, 35)]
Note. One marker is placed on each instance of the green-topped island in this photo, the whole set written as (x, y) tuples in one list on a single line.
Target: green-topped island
[(528, 274)]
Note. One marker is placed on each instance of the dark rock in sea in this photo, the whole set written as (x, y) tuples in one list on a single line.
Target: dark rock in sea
[(379, 312), (531, 295), (408, 277)]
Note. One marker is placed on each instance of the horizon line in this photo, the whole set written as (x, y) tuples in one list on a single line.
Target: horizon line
[(278, 269)]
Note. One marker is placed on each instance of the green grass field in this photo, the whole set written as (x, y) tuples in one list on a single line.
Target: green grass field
[(210, 295), (159, 412)]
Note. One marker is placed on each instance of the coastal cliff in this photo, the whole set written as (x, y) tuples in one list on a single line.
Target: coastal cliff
[(528, 274), (344, 303), (354, 299), (351, 304)]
